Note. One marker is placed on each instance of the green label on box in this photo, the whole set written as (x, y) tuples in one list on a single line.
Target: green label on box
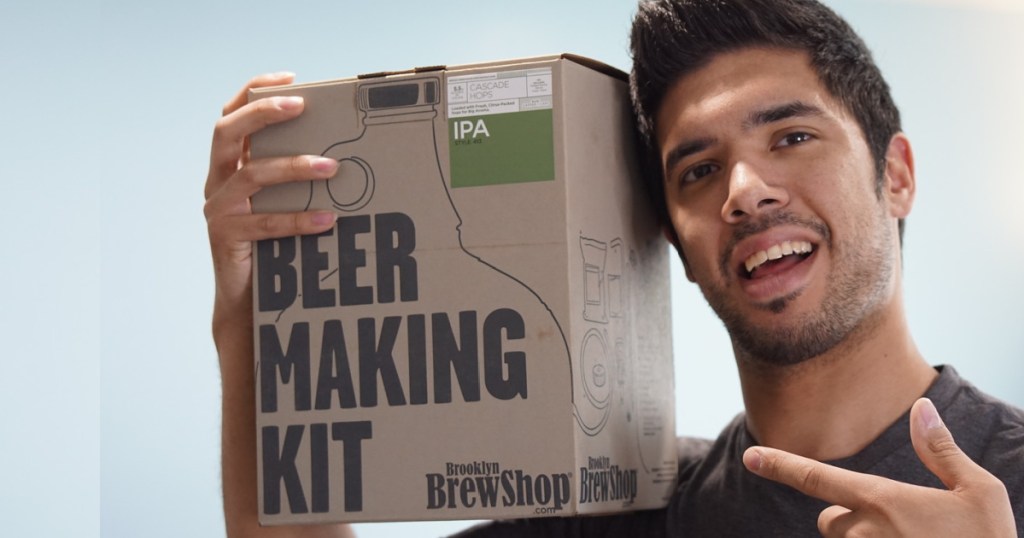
[(514, 147)]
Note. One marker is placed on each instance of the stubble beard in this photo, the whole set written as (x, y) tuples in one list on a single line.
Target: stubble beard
[(858, 284)]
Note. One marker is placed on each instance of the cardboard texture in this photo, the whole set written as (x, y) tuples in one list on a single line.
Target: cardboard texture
[(485, 333)]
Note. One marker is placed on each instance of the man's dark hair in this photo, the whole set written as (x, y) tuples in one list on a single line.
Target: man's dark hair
[(673, 38)]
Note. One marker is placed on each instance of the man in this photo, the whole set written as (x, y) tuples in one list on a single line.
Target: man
[(782, 177)]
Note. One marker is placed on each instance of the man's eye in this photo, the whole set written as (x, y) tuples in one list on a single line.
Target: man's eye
[(793, 139), (697, 172)]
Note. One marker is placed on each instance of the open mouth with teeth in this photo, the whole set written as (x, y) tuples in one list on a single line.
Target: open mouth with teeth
[(776, 258)]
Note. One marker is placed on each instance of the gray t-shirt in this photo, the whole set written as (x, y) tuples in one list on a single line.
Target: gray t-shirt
[(717, 496)]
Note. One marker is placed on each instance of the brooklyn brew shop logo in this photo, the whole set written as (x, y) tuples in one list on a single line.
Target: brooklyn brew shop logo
[(356, 354), (485, 484), (600, 481)]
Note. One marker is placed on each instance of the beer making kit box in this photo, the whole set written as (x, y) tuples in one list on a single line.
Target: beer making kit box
[(485, 332)]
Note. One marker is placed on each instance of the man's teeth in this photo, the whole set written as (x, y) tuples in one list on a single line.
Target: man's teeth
[(775, 252)]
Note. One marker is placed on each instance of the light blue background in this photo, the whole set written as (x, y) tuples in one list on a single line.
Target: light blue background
[(110, 388)]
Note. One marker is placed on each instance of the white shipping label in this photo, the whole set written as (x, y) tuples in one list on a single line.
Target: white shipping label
[(499, 93)]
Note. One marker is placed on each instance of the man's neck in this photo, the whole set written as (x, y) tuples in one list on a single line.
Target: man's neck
[(834, 405)]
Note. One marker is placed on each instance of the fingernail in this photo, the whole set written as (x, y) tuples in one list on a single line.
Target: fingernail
[(321, 218), (753, 460), (289, 102), (929, 415), (282, 74), (324, 164)]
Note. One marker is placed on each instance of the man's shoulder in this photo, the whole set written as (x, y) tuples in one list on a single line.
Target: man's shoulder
[(986, 425), (704, 462), (691, 451)]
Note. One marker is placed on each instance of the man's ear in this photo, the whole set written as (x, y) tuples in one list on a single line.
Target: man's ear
[(670, 234), (900, 183)]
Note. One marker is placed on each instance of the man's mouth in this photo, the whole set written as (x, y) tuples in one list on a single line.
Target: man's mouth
[(786, 253)]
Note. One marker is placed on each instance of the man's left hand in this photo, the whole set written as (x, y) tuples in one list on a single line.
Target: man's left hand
[(975, 502)]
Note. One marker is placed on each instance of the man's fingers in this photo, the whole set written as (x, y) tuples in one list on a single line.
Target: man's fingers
[(936, 448), (835, 520), (984, 493), (265, 172), (243, 228), (226, 155), (259, 81), (231, 131), (811, 477)]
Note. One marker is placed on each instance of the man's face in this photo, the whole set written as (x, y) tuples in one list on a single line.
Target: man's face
[(771, 189)]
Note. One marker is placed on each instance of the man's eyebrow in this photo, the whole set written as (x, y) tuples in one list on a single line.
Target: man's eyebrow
[(779, 113), (686, 149)]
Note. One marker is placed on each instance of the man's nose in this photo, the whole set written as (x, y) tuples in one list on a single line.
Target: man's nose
[(751, 193)]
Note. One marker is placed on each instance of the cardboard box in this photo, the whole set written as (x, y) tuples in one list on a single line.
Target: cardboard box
[(485, 333)]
